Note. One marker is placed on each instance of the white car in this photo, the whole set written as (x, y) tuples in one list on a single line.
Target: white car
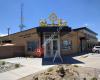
[(96, 49)]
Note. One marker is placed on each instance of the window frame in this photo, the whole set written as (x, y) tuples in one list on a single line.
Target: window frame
[(32, 45), (67, 46)]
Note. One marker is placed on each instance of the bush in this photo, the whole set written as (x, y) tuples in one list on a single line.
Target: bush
[(84, 78), (94, 78), (50, 69), (17, 65), (61, 72), (3, 63), (76, 66)]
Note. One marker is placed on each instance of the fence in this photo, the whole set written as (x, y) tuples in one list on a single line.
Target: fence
[(11, 51)]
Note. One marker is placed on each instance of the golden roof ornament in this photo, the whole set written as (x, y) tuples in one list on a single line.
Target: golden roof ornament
[(59, 22), (53, 17), (64, 23), (54, 20), (43, 22)]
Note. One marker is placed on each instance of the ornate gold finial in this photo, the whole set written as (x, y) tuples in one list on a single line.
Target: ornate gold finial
[(59, 22), (43, 23), (64, 23), (53, 17)]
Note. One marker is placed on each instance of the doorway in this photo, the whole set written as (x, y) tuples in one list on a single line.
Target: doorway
[(51, 45)]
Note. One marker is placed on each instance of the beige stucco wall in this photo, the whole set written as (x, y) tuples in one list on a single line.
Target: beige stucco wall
[(72, 36), (75, 36), (21, 38)]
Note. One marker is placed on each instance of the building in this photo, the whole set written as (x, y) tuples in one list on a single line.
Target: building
[(53, 38)]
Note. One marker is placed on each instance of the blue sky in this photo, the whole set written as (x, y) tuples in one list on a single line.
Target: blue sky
[(76, 12)]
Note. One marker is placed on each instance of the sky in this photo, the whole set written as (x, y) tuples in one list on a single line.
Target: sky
[(77, 13)]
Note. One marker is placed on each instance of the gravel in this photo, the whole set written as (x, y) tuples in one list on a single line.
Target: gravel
[(69, 72), (6, 66)]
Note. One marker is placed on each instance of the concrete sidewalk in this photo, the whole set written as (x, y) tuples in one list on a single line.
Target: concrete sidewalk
[(89, 60), (30, 66), (34, 65)]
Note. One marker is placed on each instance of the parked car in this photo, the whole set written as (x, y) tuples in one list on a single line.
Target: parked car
[(96, 49)]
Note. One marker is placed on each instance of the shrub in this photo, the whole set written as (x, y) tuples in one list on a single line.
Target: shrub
[(3, 62), (94, 78), (84, 78), (76, 66), (50, 69), (61, 72), (17, 65)]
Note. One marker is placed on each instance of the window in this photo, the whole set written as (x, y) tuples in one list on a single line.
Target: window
[(31, 46), (6, 41), (97, 47), (67, 44), (51, 35)]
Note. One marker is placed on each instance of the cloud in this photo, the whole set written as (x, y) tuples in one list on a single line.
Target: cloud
[(2, 35)]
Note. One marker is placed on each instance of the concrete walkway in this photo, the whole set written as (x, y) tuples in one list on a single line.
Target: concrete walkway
[(30, 66), (33, 65), (89, 60)]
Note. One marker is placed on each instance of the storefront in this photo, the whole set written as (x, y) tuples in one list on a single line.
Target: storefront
[(53, 38), (50, 39)]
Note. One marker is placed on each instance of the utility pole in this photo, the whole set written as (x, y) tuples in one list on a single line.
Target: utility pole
[(21, 26), (8, 30)]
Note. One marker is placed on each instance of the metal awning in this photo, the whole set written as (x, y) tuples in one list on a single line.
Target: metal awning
[(53, 29)]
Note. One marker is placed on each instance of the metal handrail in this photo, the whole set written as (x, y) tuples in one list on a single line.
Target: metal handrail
[(57, 54)]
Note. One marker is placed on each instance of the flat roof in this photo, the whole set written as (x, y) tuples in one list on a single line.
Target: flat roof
[(77, 29), (20, 31), (44, 29), (52, 29)]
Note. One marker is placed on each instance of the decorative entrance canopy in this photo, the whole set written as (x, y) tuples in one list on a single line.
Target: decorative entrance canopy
[(53, 29), (57, 25), (49, 42), (55, 21)]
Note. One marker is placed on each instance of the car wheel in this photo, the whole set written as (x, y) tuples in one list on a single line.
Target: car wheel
[(96, 51)]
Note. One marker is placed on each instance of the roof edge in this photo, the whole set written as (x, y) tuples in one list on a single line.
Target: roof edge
[(85, 29)]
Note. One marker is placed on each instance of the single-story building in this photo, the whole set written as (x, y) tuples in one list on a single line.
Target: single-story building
[(53, 38)]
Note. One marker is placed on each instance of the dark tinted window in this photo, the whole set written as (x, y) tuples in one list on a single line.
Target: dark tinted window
[(97, 47), (31, 46), (6, 41), (67, 44)]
